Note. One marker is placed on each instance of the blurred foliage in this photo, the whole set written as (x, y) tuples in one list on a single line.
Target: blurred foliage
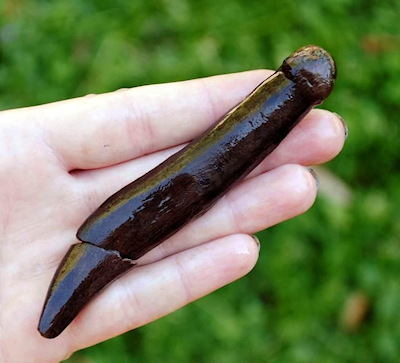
[(289, 308)]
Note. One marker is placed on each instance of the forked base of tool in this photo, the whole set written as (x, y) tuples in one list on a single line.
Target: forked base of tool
[(84, 271)]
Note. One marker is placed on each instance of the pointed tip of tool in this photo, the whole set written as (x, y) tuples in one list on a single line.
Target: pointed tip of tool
[(83, 272)]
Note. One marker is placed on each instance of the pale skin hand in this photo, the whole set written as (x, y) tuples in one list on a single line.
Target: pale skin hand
[(60, 161)]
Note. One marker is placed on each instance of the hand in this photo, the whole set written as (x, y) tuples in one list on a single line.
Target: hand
[(60, 161)]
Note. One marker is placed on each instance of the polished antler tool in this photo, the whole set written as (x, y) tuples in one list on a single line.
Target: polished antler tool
[(149, 210)]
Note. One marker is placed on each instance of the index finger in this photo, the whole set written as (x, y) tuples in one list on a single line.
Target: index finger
[(107, 129)]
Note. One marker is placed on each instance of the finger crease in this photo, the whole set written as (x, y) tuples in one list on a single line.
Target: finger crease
[(128, 300), (137, 118), (184, 280), (51, 150), (164, 250), (233, 215), (213, 108), (148, 131)]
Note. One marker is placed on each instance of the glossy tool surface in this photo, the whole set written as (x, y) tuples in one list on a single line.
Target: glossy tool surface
[(149, 210)]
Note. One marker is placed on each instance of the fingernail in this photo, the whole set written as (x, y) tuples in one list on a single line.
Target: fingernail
[(315, 176), (346, 129), (257, 241)]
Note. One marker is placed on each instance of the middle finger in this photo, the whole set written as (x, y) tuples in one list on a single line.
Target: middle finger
[(315, 140)]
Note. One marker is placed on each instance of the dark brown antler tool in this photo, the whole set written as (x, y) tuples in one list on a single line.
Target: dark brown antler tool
[(149, 210)]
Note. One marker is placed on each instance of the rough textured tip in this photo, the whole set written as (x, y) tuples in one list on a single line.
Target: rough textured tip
[(84, 271), (313, 69)]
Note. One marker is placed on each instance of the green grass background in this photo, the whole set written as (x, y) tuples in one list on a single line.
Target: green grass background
[(288, 308)]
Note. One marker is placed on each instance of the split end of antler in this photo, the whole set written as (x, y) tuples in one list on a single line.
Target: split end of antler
[(84, 271)]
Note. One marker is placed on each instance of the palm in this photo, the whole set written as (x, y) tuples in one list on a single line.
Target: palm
[(60, 161)]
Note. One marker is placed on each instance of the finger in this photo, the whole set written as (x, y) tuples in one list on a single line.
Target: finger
[(97, 131), (317, 139), (256, 204), (150, 292)]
